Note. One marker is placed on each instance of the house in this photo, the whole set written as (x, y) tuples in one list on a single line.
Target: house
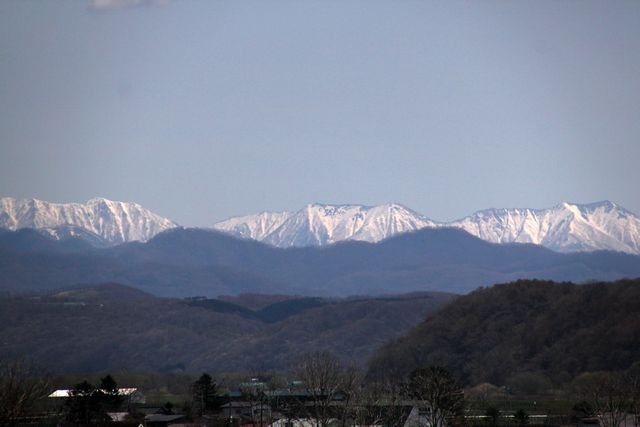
[(626, 420), (132, 395), (303, 422), (118, 416), (287, 397), (162, 420), (416, 418), (252, 410)]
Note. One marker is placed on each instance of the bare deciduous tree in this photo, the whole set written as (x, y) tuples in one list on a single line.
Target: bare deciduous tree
[(21, 386), (607, 395), (632, 381), (350, 388), (323, 380), (380, 403), (439, 395)]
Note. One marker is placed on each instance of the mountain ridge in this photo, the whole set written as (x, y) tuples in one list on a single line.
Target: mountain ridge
[(112, 221), (565, 227), (81, 330), (188, 262), (496, 334), (321, 224)]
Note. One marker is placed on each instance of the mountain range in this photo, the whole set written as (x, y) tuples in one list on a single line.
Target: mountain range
[(100, 221), (505, 335), (319, 225), (564, 228), (184, 262)]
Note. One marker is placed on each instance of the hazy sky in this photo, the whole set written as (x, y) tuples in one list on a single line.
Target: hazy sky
[(201, 110)]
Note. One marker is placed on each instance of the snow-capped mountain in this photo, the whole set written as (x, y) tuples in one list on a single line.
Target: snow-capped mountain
[(256, 227), (565, 227), (62, 232), (115, 222), (317, 225)]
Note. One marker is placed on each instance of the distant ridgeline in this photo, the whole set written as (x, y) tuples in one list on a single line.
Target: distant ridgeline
[(526, 332), (187, 262), (98, 221), (497, 334), (566, 227), (110, 326)]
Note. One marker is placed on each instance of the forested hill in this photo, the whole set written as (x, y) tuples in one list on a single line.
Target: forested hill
[(558, 330), (110, 326)]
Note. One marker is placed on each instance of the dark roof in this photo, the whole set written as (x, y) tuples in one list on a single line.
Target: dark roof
[(162, 418), (234, 394), (253, 384), (287, 393), (299, 394), (242, 404)]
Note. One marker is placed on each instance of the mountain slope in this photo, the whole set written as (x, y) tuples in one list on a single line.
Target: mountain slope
[(115, 222), (564, 228), (108, 327), (256, 227), (189, 262), (556, 329), (317, 225)]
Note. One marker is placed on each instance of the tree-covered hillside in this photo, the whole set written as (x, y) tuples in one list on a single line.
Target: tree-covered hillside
[(107, 327), (495, 334)]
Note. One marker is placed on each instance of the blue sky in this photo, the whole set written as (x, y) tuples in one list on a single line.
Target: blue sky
[(201, 110)]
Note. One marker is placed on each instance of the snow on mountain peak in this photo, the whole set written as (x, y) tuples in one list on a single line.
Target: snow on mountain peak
[(253, 226), (319, 224), (115, 222), (565, 227)]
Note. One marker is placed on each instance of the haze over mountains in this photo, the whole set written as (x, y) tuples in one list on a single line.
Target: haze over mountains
[(563, 228), (186, 262)]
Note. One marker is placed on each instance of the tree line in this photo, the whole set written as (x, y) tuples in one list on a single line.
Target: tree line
[(326, 393)]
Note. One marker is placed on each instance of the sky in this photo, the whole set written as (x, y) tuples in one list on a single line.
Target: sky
[(203, 110)]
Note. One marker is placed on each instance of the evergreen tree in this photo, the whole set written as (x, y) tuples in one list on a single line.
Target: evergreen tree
[(83, 405), (87, 405), (109, 394), (205, 395)]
